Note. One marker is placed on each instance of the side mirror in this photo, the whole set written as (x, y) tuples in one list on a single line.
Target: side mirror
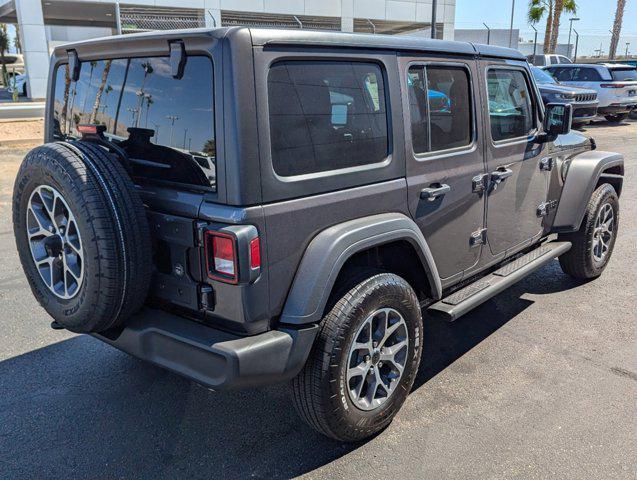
[(558, 119)]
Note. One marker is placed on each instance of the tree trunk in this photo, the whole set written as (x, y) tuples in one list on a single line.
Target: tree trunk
[(617, 28), (555, 28), (547, 32), (100, 91)]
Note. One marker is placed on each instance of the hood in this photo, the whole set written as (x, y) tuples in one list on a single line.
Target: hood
[(564, 89)]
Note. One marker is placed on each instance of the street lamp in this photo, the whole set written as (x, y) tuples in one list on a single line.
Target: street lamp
[(576, 45), (627, 45), (434, 7), (511, 27), (570, 29)]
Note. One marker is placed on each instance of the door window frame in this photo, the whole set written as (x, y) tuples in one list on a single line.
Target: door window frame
[(470, 147), (534, 105)]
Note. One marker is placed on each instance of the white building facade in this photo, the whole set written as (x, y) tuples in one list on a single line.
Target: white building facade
[(47, 23)]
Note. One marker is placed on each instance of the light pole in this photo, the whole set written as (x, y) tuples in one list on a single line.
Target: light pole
[(173, 119), (570, 29), (627, 45), (434, 7), (511, 27), (488, 34), (534, 42), (576, 45)]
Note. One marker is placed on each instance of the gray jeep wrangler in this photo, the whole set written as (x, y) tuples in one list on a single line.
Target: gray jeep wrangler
[(245, 206)]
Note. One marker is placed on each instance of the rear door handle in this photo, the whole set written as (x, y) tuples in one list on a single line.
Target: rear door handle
[(434, 191), (501, 174)]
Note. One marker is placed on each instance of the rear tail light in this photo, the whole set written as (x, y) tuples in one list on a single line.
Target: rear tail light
[(613, 85), (221, 256)]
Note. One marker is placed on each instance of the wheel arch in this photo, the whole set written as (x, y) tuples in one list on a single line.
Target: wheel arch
[(330, 251), (585, 173)]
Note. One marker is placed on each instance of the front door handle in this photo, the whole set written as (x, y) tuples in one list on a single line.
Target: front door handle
[(434, 191), (501, 174)]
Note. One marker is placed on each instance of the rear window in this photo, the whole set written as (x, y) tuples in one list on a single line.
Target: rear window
[(326, 115), (165, 125), (624, 74)]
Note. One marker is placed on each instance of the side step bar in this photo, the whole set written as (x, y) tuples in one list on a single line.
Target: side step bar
[(458, 303)]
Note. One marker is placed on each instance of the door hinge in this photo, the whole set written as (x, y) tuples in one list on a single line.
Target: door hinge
[(478, 237), (545, 208), (479, 183), (546, 164)]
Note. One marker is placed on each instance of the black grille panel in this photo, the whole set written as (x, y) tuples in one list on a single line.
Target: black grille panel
[(585, 97)]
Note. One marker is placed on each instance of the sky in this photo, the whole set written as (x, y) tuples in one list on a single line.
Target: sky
[(596, 19)]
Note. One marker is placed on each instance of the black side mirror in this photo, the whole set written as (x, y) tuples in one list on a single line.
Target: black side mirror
[(558, 119), (74, 65), (177, 59)]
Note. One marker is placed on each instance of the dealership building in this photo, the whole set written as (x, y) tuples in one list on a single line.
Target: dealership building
[(45, 24)]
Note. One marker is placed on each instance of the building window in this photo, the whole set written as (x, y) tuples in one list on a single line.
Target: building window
[(326, 115)]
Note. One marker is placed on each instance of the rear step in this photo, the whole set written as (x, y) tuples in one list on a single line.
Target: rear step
[(458, 303)]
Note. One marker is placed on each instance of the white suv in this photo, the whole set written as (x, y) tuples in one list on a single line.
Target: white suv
[(615, 84), (544, 60)]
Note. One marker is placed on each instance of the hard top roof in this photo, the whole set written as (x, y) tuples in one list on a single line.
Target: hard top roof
[(270, 36)]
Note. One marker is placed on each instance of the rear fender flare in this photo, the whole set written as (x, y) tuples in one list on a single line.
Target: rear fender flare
[(584, 172), (330, 249)]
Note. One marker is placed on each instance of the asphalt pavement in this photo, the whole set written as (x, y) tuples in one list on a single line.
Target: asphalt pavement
[(539, 382)]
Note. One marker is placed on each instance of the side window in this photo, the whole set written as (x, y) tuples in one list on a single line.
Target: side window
[(586, 75), (439, 107), (563, 74), (510, 106), (326, 115)]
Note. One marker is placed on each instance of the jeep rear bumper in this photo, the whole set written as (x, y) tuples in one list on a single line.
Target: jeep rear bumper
[(211, 357)]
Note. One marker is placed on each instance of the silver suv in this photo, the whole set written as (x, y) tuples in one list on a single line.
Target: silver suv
[(615, 84)]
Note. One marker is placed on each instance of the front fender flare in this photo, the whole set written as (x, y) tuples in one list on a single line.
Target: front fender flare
[(329, 250), (584, 172)]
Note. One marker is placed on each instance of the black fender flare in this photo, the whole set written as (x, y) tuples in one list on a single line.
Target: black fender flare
[(331, 248), (584, 171)]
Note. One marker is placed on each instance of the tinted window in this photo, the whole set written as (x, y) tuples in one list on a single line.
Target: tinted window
[(586, 75), (510, 106), (562, 74), (439, 108), (624, 74), (165, 125), (326, 116)]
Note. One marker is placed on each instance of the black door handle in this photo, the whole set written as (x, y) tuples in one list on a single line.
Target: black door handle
[(434, 191)]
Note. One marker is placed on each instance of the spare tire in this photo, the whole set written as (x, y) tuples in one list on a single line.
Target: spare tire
[(82, 235)]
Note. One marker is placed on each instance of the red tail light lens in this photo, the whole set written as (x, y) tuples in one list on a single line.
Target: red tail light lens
[(613, 85), (221, 256), (255, 253)]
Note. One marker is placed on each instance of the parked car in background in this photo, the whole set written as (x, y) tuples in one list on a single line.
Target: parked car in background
[(543, 60), (19, 83), (584, 101), (615, 84)]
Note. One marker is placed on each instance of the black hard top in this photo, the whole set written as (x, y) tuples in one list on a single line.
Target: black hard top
[(270, 36)]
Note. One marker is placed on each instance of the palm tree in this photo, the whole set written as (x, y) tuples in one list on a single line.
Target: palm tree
[(569, 6), (617, 28), (100, 91), (537, 10)]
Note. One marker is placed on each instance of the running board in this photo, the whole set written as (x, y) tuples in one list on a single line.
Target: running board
[(458, 303)]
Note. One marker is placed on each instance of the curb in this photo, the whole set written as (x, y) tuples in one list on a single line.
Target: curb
[(20, 141)]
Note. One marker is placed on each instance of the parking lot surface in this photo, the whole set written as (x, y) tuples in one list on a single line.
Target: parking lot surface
[(539, 382)]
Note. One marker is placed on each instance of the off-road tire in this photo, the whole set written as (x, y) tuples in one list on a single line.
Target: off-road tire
[(578, 262), (633, 114), (617, 118), (320, 391), (113, 227)]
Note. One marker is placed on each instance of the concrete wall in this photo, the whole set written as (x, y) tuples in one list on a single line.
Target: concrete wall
[(499, 36)]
